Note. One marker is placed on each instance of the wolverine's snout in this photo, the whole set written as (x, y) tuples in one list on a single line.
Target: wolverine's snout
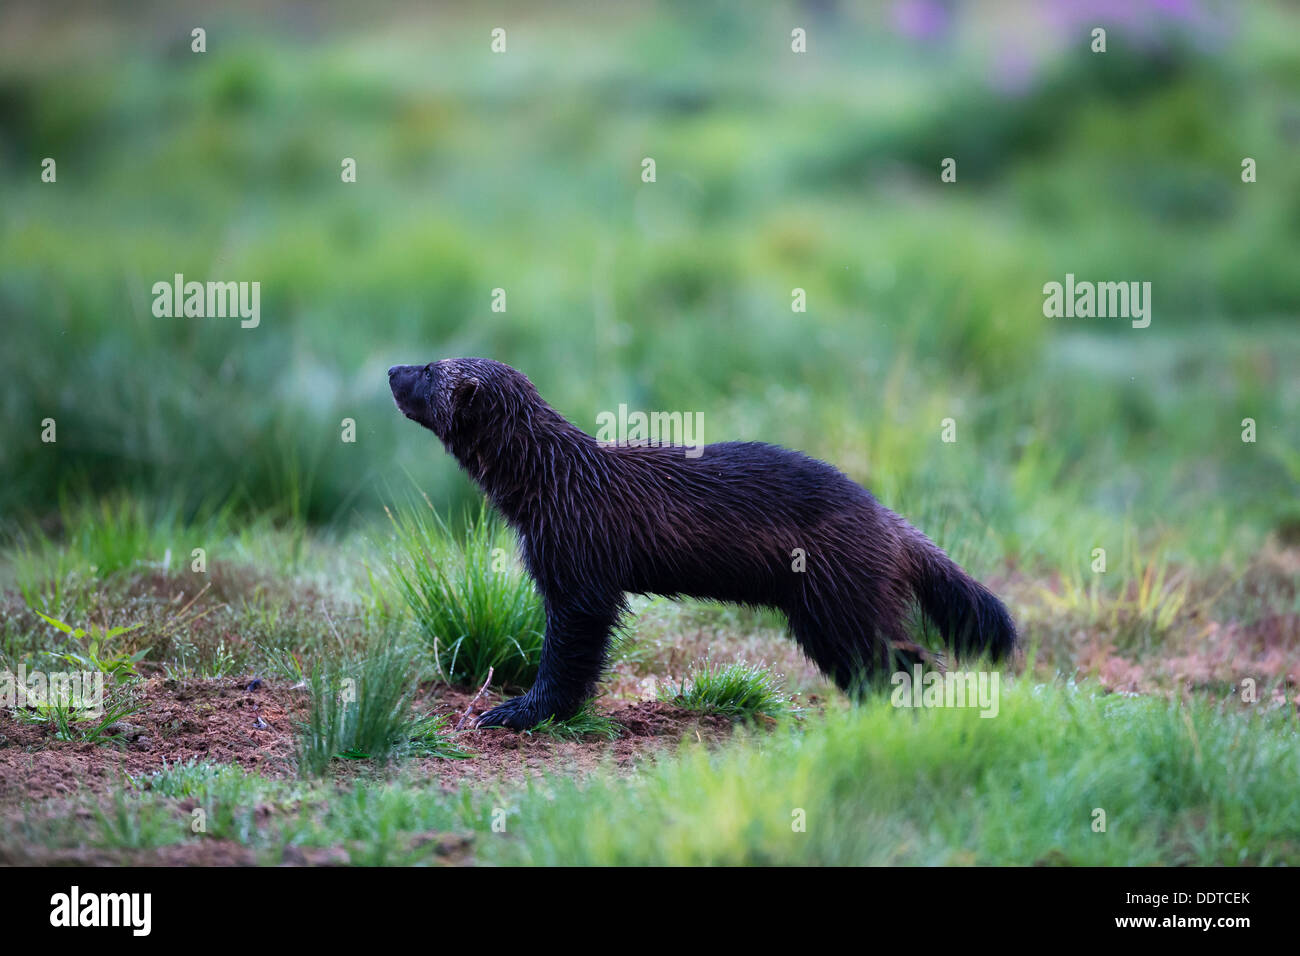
[(404, 380)]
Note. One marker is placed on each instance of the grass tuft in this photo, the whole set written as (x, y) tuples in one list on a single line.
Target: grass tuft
[(429, 736), (586, 723), (738, 691), (473, 605), (360, 709)]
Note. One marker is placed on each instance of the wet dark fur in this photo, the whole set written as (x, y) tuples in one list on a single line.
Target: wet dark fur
[(597, 522)]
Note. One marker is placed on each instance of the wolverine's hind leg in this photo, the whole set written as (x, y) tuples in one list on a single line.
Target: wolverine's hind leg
[(855, 638)]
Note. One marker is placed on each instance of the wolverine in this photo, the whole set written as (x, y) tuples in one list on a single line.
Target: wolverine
[(744, 522)]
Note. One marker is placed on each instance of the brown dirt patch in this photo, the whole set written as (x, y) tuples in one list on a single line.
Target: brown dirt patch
[(647, 728), (252, 724), (224, 721), (218, 720)]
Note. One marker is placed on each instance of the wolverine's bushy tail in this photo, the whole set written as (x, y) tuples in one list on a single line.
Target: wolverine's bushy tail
[(968, 615)]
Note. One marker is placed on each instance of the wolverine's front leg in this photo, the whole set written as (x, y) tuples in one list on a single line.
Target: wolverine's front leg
[(573, 655)]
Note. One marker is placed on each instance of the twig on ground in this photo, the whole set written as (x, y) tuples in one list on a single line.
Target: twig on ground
[(474, 700)]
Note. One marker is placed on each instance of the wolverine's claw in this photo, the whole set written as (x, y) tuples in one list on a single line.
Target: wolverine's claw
[(514, 714)]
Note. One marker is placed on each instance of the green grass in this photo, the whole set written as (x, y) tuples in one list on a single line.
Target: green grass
[(473, 605), (430, 735), (191, 662), (98, 540), (220, 802), (360, 709), (203, 780), (586, 723), (738, 691), (69, 720), (1179, 783)]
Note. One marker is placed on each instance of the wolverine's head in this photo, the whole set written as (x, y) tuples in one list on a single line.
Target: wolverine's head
[(459, 399)]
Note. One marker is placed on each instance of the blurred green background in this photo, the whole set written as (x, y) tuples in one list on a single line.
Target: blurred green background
[(775, 170)]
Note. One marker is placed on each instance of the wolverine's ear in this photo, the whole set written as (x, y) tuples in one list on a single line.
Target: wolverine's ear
[(465, 390)]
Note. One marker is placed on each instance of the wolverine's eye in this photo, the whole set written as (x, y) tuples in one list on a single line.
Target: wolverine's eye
[(428, 373)]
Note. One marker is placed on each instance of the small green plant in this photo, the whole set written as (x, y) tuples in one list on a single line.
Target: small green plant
[(737, 691), (587, 722), (359, 709), (75, 722), (182, 778), (231, 797), (429, 736), (285, 663), (203, 780), (96, 655), (474, 607), (132, 824), (192, 662)]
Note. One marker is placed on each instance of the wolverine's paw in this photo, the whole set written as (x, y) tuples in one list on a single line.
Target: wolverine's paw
[(518, 713)]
